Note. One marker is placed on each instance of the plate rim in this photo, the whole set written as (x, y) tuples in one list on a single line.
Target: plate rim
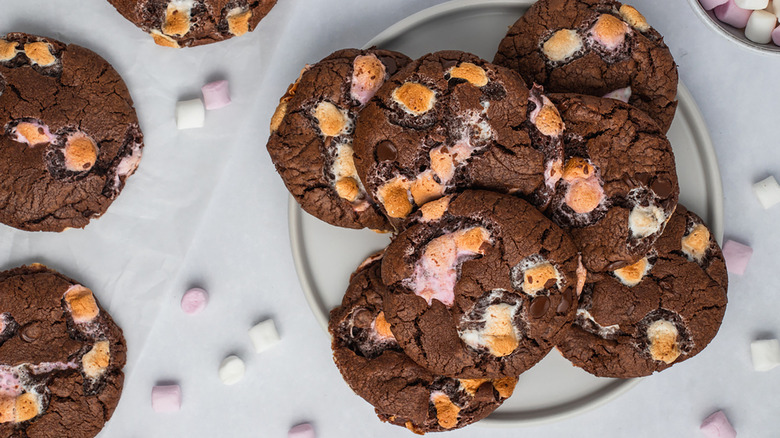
[(702, 141)]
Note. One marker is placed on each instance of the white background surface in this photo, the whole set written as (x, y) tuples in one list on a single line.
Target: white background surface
[(206, 208)]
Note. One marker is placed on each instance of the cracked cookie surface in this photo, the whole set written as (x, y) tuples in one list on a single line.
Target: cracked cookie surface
[(480, 285), (61, 357), (186, 23), (70, 134), (311, 135), (402, 392), (595, 47), (661, 311), (619, 182)]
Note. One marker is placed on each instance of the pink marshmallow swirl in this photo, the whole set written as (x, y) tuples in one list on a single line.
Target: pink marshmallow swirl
[(368, 75), (437, 271), (10, 384)]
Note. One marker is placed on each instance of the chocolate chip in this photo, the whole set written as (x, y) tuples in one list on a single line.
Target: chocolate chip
[(390, 65), (539, 306), (550, 283), (386, 151), (662, 188), (616, 265), (31, 332), (448, 63), (566, 300), (362, 318)]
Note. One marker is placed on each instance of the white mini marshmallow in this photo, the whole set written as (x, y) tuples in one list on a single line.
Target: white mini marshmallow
[(752, 4), (766, 354), (232, 370), (264, 335), (767, 191), (760, 26), (190, 114)]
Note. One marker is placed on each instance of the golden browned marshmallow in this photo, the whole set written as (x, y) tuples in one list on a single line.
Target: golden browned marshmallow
[(330, 119), (505, 386), (499, 332), (472, 73), (631, 275), (83, 306), (583, 196), (696, 243), (425, 189), (177, 19), (96, 360), (34, 134), (577, 168), (471, 385), (369, 71), (442, 163), (8, 50), (238, 21), (164, 40), (40, 53), (663, 341), (281, 110), (434, 210), (446, 411), (409, 425), (80, 153), (7, 407), (382, 326), (394, 195), (347, 188), (473, 239), (548, 121), (562, 45), (415, 98), (610, 30), (634, 18), (26, 408), (536, 278)]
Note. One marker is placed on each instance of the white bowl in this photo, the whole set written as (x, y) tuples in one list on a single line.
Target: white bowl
[(731, 32)]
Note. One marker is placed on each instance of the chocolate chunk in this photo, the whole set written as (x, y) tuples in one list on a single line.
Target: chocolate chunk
[(31, 332), (386, 151), (539, 306), (565, 304), (662, 188)]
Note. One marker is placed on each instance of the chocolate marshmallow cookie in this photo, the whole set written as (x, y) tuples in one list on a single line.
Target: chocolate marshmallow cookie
[(311, 135), (617, 186), (450, 121), (185, 23), (655, 313), (402, 392), (70, 135), (61, 357), (596, 47), (480, 285)]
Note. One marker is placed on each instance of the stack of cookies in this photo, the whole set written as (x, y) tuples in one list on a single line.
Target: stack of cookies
[(523, 218)]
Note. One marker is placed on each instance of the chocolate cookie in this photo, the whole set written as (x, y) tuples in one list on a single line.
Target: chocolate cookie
[(70, 134), (480, 285), (617, 186), (61, 357), (402, 392), (186, 23), (450, 121), (311, 135), (596, 47), (653, 314)]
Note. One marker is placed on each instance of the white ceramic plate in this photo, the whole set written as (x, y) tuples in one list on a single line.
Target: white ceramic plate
[(326, 255)]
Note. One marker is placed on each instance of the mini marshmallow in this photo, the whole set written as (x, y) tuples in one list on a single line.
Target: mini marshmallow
[(708, 5), (737, 256), (232, 370), (767, 190), (760, 26), (216, 95), (732, 14), (190, 114), (264, 335), (752, 4), (776, 35), (166, 398), (718, 426), (765, 354), (194, 300), (304, 430)]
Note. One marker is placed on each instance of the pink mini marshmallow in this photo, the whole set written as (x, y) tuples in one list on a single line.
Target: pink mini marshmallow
[(776, 36), (708, 5), (216, 95), (732, 14), (194, 301), (304, 430), (166, 398), (737, 256), (718, 426)]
